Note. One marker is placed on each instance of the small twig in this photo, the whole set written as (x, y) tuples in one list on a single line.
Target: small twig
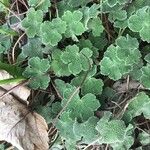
[(141, 129), (92, 143), (10, 11), (11, 90), (17, 7), (13, 49), (75, 92), (22, 1), (59, 95), (107, 145), (128, 82), (66, 105)]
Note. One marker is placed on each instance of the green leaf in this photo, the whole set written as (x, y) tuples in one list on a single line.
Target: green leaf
[(126, 144), (41, 5), (5, 30), (12, 80), (112, 3), (119, 18), (112, 131), (3, 5), (49, 112), (76, 61), (33, 48), (82, 108), (96, 26), (78, 3), (119, 15), (88, 44), (31, 23), (138, 105), (145, 76), (90, 85), (65, 128), (147, 58), (5, 43), (86, 130), (89, 13), (135, 24), (37, 72), (74, 25), (62, 87), (63, 6), (57, 65), (51, 32), (2, 147), (71, 131), (144, 138), (118, 60)]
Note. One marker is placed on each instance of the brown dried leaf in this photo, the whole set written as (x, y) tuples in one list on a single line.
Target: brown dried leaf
[(22, 92), (19, 126)]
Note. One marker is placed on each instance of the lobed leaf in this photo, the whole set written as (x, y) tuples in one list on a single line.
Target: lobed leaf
[(118, 60), (89, 13), (80, 108), (59, 68), (135, 24), (5, 44), (74, 25), (36, 71), (33, 48), (78, 3), (144, 138), (96, 25), (72, 131), (138, 105), (145, 76), (40, 5), (31, 23), (85, 106), (113, 132), (51, 32), (76, 61), (90, 85)]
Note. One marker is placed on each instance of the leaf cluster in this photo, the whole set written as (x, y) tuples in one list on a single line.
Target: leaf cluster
[(88, 63)]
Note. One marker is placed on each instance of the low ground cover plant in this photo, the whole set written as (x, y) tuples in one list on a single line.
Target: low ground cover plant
[(87, 64)]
